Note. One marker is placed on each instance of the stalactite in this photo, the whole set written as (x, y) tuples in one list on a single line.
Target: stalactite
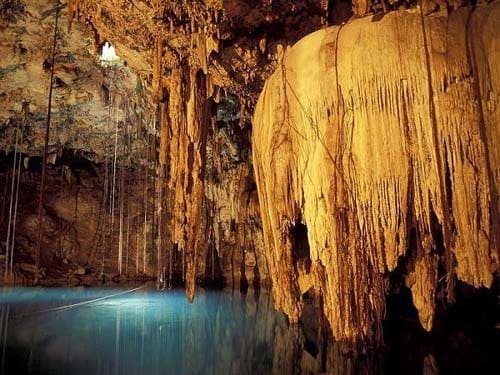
[(157, 69), (444, 199), (409, 196), (72, 12), (188, 127)]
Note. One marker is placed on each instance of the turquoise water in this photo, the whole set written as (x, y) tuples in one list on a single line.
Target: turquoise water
[(150, 332), (144, 332)]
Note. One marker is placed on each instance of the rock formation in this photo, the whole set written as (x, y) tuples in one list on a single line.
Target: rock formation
[(374, 144), (96, 108), (375, 150)]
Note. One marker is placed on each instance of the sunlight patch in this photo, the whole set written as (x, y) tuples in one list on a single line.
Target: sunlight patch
[(108, 55)]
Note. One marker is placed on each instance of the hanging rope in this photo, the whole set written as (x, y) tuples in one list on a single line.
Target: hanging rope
[(12, 189), (45, 150), (16, 200), (73, 305), (127, 134), (114, 173), (146, 181), (106, 185), (137, 235), (120, 241), (4, 199), (60, 220)]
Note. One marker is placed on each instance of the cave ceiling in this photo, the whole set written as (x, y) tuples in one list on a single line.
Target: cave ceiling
[(236, 43)]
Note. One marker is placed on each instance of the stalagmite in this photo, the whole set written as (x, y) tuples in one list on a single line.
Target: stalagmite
[(370, 162)]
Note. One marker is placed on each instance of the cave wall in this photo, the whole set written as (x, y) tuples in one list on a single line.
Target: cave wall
[(365, 141), (232, 207), (175, 226), (94, 108), (82, 91), (378, 139)]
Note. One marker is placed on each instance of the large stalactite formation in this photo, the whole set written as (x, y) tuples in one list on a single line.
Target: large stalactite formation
[(388, 159), (371, 159), (195, 53)]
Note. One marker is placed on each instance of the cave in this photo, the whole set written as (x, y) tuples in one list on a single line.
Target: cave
[(263, 186), (300, 246)]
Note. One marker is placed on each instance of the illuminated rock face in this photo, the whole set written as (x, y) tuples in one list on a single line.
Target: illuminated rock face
[(374, 143), (375, 149)]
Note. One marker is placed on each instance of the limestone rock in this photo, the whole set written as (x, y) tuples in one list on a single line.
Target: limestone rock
[(380, 139)]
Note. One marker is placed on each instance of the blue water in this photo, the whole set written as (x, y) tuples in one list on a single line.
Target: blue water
[(144, 332), (150, 332)]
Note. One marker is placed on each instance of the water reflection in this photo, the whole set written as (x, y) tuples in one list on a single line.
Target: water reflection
[(148, 332), (145, 332)]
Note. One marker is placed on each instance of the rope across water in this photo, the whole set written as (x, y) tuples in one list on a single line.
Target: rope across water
[(74, 305)]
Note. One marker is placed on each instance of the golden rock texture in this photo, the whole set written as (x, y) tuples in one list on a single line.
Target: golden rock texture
[(175, 223), (375, 148), (190, 54), (374, 145), (235, 43)]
